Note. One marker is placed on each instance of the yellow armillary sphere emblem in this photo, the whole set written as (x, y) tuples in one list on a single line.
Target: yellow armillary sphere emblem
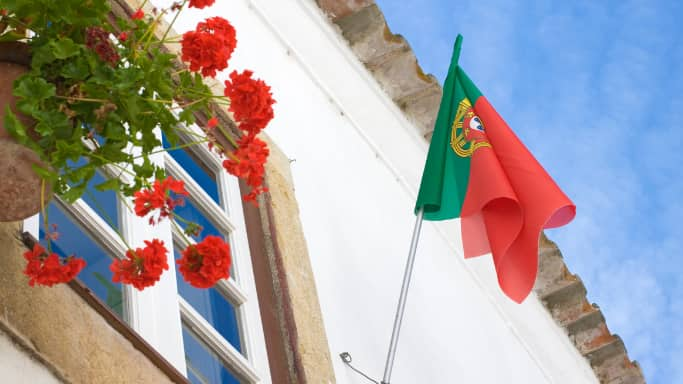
[(467, 132)]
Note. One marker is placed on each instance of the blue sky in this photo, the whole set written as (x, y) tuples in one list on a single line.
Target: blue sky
[(595, 90)]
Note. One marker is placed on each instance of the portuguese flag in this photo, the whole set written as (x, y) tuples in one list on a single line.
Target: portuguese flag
[(478, 170)]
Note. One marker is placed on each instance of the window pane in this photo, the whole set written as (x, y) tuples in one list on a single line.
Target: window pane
[(199, 171), (203, 367), (214, 307), (96, 275), (104, 203), (191, 213)]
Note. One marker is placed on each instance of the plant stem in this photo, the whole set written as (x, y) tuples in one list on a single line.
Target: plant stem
[(105, 161), (45, 218), (102, 212), (173, 21), (171, 149), (181, 230), (83, 99)]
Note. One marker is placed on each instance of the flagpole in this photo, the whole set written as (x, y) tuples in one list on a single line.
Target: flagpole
[(402, 298)]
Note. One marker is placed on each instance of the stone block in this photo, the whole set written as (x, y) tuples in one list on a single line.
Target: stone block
[(422, 107), (335, 9)]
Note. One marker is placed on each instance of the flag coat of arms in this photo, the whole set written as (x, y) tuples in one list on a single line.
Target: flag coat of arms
[(477, 169)]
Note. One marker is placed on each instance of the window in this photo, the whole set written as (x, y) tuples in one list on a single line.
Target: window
[(213, 335)]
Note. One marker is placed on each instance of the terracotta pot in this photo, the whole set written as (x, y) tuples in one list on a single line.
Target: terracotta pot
[(20, 186)]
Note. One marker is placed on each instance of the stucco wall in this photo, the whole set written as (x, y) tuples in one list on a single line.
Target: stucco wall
[(59, 327), (16, 366), (356, 164)]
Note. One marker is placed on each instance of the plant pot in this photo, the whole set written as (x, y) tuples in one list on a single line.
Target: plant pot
[(20, 186)]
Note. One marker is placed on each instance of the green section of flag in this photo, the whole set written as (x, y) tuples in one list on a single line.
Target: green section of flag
[(445, 177)]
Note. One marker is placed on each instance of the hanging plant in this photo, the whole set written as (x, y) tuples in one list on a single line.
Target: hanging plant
[(91, 94)]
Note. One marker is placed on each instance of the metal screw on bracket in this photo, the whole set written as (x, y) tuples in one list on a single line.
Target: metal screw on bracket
[(346, 357)]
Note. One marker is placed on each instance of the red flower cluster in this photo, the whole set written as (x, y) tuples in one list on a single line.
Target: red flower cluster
[(98, 40), (44, 269), (159, 197), (138, 15), (251, 101), (209, 47), (203, 264), (201, 3), (247, 162), (142, 267)]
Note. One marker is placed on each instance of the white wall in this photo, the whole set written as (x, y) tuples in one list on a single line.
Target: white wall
[(357, 166), (17, 367)]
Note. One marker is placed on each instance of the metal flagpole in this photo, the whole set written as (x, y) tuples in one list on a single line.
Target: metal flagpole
[(402, 299)]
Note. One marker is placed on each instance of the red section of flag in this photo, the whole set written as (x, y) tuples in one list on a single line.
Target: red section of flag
[(510, 199)]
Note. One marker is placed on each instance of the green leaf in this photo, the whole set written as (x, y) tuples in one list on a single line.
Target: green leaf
[(73, 193), (69, 150), (36, 88), (41, 56), (12, 35), (14, 126), (76, 69), (64, 48), (111, 184), (53, 122), (44, 173)]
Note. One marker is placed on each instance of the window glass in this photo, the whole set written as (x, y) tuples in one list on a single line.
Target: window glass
[(200, 172), (203, 367), (214, 307), (104, 203), (96, 274), (191, 213)]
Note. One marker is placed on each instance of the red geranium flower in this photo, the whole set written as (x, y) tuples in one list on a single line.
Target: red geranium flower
[(138, 15), (201, 3), (44, 269), (123, 36), (212, 123), (142, 267), (251, 101), (97, 39), (209, 47), (159, 197), (247, 162), (203, 264)]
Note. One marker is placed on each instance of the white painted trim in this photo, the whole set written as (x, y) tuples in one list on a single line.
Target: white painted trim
[(32, 225), (253, 336), (217, 343), (91, 223), (154, 312), (198, 196)]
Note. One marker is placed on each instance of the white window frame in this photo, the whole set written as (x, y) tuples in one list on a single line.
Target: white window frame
[(159, 312)]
